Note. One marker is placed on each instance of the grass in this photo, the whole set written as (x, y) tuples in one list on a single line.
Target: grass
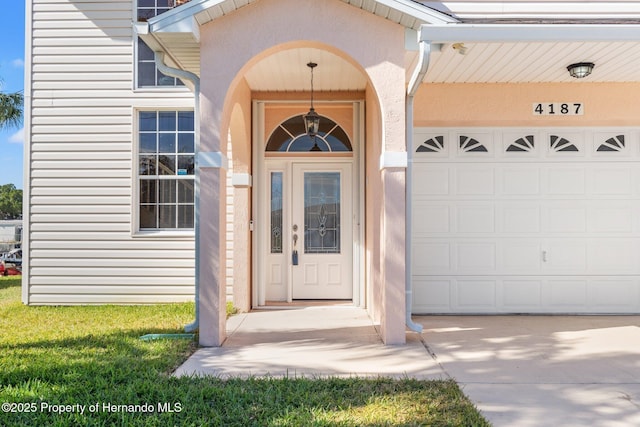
[(92, 357)]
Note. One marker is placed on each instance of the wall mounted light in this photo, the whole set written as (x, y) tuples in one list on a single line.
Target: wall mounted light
[(460, 48), (580, 70)]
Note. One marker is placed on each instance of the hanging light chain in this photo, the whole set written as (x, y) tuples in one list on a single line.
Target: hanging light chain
[(312, 65)]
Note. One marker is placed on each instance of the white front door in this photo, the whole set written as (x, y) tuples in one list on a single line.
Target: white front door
[(309, 239), (321, 231)]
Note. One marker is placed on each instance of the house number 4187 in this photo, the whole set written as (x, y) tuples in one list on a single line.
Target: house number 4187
[(558, 109)]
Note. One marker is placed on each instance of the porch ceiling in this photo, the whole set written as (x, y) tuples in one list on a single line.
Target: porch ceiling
[(485, 61)]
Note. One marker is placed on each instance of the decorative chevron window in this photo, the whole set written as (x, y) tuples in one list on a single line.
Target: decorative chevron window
[(471, 145), (432, 145), (615, 143), (524, 145), (559, 144)]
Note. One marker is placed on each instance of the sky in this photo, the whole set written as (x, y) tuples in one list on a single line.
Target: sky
[(11, 80)]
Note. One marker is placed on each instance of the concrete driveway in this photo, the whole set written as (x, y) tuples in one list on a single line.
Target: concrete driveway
[(543, 370)]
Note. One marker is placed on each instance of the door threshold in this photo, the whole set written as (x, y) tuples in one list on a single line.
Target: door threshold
[(279, 305)]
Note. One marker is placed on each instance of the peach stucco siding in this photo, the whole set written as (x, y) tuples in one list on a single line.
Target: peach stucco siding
[(229, 47), (605, 104), (240, 135)]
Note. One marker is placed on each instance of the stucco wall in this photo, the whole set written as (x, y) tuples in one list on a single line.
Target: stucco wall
[(605, 104), (373, 216), (239, 249)]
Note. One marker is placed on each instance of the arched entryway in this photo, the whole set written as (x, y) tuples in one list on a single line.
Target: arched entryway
[(309, 242), (246, 77)]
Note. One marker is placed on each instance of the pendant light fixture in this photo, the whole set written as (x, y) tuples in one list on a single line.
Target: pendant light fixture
[(312, 119)]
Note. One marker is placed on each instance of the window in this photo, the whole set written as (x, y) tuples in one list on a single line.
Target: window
[(147, 72), (291, 136), (166, 165)]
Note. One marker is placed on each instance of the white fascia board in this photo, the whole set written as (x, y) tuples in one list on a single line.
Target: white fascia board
[(418, 11), (182, 18), (187, 25), (142, 30), (529, 33), (531, 9)]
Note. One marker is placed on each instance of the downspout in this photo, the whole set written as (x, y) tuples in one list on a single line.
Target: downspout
[(414, 83), (186, 75)]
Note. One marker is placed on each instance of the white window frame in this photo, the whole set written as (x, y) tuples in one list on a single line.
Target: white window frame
[(151, 88), (136, 230)]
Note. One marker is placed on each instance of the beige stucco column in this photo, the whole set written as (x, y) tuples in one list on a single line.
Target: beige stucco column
[(392, 321), (212, 254), (393, 163)]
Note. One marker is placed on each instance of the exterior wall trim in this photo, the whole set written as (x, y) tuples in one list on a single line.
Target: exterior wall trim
[(393, 159)]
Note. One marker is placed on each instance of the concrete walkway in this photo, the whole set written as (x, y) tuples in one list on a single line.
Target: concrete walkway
[(311, 342), (519, 370), (543, 370)]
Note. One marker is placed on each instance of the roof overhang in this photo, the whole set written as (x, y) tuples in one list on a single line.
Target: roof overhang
[(497, 33), (522, 53), (495, 52), (177, 32)]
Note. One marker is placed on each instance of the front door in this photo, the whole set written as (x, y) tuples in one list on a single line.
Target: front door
[(309, 238), (321, 231)]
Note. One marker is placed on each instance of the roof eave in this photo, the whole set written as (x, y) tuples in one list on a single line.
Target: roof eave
[(182, 18), (496, 33)]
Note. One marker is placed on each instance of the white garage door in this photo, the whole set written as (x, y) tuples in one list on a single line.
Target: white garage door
[(526, 221)]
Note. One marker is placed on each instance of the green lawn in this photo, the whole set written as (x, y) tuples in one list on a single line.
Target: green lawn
[(55, 359)]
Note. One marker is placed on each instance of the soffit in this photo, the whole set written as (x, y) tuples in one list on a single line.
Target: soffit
[(407, 13), (507, 53), (538, 11)]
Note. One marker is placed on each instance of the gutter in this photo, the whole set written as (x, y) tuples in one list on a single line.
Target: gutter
[(186, 75), (414, 83)]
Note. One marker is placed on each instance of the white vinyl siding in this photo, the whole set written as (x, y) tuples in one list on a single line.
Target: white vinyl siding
[(82, 198)]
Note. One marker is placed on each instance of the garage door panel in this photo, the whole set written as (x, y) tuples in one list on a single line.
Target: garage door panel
[(565, 181), (528, 221), (434, 295), (612, 181), (614, 256), (476, 295), (614, 295), (561, 218), (520, 181), (475, 218), (475, 257), (565, 256), (521, 218), (612, 217), (522, 295), (526, 294), (474, 181), (521, 256), (432, 258), (431, 180), (567, 295), (434, 218)]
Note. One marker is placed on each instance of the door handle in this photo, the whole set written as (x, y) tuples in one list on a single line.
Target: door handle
[(294, 253)]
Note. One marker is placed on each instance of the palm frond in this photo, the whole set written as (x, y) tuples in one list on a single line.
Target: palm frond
[(11, 110)]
